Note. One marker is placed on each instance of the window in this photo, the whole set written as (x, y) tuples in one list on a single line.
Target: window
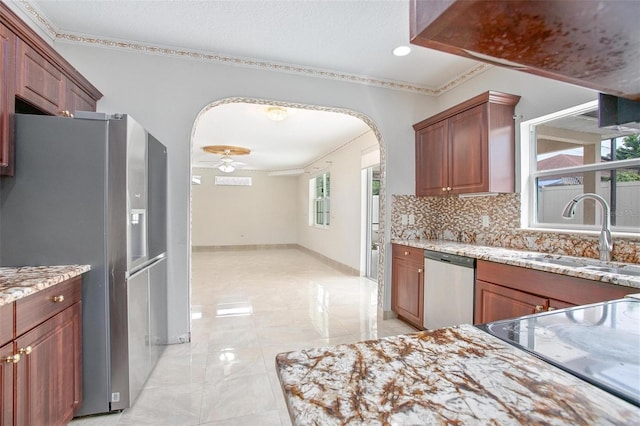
[(319, 190), (568, 154)]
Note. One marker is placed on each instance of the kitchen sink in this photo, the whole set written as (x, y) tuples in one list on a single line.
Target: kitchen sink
[(613, 270), (562, 262), (586, 264)]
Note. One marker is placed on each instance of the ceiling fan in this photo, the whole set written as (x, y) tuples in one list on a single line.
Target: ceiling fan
[(226, 164)]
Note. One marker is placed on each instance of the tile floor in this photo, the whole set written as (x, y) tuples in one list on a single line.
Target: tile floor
[(247, 306)]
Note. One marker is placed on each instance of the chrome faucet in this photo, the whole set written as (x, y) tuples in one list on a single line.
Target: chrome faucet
[(605, 244)]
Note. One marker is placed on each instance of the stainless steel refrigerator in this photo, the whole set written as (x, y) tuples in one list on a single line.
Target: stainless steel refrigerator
[(92, 190)]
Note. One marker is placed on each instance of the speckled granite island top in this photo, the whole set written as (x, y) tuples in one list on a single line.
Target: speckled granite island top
[(519, 258), (16, 283), (458, 375)]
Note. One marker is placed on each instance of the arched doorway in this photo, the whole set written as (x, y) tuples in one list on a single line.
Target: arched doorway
[(288, 105)]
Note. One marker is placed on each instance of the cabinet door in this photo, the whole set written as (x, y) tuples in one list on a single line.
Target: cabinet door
[(431, 160), (37, 81), (408, 290), (558, 304), (468, 151), (494, 303), (7, 78), (6, 381), (76, 99), (49, 375)]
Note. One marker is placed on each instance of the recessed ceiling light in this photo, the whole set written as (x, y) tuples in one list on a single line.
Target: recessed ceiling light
[(402, 50)]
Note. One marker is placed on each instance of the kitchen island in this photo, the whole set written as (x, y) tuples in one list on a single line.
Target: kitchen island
[(458, 375)]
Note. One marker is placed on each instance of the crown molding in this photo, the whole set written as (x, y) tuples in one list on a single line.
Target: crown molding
[(39, 19)]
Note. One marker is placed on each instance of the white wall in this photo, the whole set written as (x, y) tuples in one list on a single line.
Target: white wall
[(263, 213), (341, 241), (165, 95)]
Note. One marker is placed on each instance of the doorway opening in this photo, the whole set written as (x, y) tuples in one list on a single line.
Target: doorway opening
[(372, 223), (305, 172)]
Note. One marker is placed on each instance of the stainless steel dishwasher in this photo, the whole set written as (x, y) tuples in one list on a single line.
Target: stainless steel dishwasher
[(448, 289)]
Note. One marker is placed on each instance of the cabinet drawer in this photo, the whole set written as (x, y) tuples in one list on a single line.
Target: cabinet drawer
[(6, 323), (36, 308), (410, 254)]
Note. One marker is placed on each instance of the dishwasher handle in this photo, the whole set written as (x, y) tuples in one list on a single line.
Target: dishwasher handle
[(468, 262)]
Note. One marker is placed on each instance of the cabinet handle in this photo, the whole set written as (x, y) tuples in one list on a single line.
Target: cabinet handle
[(12, 359), (58, 299), (539, 308), (26, 351)]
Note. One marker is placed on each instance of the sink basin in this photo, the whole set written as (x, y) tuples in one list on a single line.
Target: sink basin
[(562, 262), (613, 270), (586, 264)]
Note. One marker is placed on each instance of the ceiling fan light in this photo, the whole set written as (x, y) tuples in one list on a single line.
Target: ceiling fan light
[(226, 168), (277, 113)]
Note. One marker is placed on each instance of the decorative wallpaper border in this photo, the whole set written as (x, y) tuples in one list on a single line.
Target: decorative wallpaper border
[(43, 22)]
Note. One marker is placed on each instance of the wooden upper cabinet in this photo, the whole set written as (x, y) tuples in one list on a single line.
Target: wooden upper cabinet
[(593, 44), (39, 82), (468, 164), (7, 55), (469, 148), (432, 173), (32, 71), (76, 99)]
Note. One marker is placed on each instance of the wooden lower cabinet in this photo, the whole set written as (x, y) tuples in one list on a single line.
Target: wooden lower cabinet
[(407, 295), (495, 302), (41, 369), (505, 291), (48, 378), (6, 383)]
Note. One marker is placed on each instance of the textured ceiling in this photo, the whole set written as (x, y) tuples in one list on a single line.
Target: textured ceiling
[(326, 38)]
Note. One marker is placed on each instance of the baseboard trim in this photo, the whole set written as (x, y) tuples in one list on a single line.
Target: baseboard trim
[(324, 259), (196, 249), (333, 263)]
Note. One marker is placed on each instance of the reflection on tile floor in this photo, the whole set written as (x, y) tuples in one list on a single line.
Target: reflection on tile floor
[(248, 306)]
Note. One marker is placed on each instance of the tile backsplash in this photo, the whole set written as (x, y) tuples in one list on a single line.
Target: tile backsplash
[(492, 220)]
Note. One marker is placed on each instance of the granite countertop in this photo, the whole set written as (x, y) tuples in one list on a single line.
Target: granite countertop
[(517, 258), (458, 375), (18, 282)]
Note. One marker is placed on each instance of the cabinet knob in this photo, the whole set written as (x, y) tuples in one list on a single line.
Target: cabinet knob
[(550, 308), (58, 299), (419, 270), (539, 308), (448, 188), (66, 113), (12, 359), (406, 253), (444, 189), (26, 351)]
